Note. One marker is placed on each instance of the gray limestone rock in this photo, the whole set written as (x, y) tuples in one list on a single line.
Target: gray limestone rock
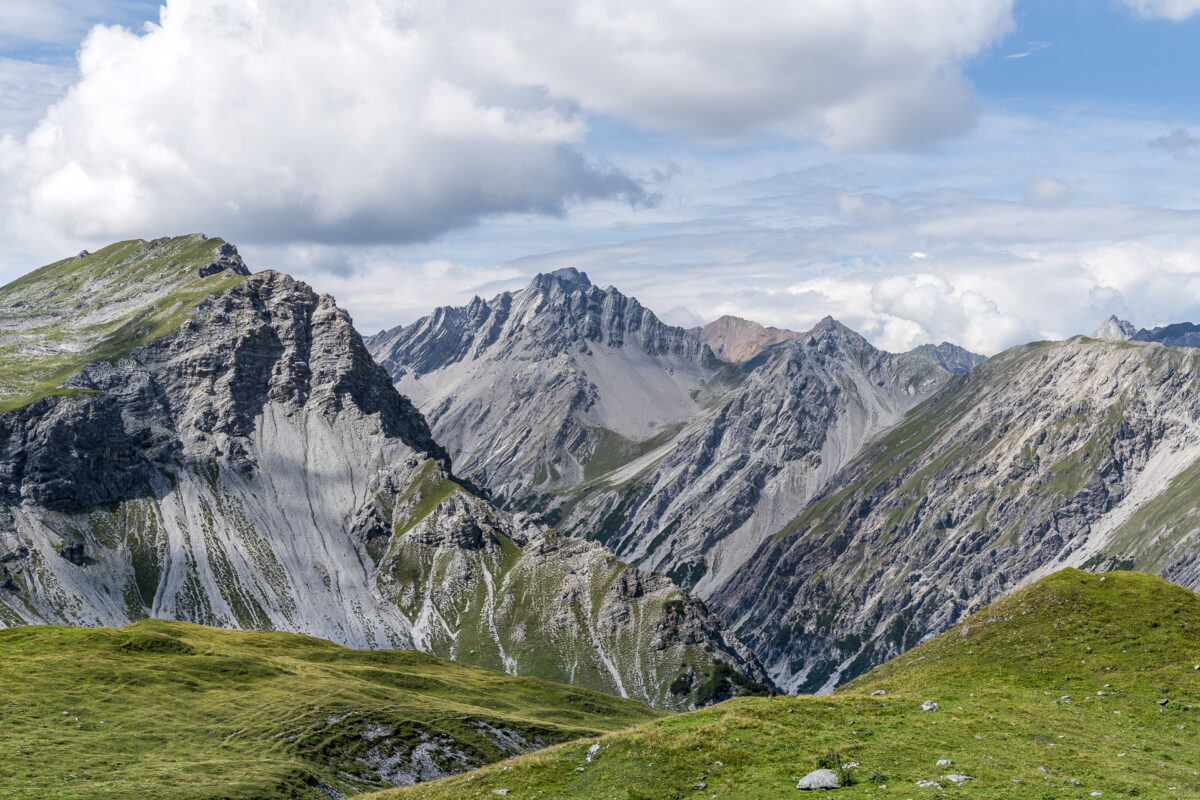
[(1114, 328), (819, 779)]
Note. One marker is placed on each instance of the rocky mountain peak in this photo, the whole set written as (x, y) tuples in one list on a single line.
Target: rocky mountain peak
[(950, 357), (227, 258), (567, 279), (832, 331), (1114, 328), (740, 340)]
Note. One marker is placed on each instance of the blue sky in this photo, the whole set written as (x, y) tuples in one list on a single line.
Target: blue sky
[(988, 174)]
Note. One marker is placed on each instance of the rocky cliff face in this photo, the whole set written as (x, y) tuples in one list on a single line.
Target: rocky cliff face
[(212, 446), (700, 505), (542, 388), (1078, 453)]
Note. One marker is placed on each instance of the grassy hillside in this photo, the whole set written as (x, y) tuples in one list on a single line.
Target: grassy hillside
[(98, 307), (171, 710), (1078, 684)]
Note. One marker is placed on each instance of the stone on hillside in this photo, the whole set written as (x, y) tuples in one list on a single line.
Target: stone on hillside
[(929, 784), (878, 693), (1163, 702), (929, 705), (955, 777), (819, 779), (944, 762)]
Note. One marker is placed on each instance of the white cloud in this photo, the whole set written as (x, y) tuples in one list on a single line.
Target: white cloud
[(61, 23), (1006, 260), (868, 73), (931, 309), (1175, 10), (26, 90), (1046, 191), (379, 289), (279, 120)]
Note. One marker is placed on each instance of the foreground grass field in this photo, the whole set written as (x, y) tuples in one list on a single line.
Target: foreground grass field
[(1080, 684), (171, 710)]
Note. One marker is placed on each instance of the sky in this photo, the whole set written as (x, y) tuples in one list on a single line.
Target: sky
[(986, 173)]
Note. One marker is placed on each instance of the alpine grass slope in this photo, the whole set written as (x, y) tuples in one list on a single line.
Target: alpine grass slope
[(1079, 685), (194, 442), (172, 710)]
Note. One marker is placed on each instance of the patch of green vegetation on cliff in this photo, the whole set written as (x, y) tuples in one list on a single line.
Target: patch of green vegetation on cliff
[(421, 497), (612, 450), (100, 307), (172, 710), (1078, 678)]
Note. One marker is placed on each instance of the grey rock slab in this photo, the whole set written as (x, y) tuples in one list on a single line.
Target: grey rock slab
[(819, 779)]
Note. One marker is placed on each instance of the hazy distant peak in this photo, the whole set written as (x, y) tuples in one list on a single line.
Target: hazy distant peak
[(950, 357), (1114, 328), (740, 340)]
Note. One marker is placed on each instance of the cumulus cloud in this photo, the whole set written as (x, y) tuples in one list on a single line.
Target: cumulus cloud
[(874, 72), (276, 120), (1175, 10), (929, 308)]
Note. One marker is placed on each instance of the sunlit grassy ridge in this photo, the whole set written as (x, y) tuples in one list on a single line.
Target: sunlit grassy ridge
[(172, 710), (99, 307), (1065, 676)]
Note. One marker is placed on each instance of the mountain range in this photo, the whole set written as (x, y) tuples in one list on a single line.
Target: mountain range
[(190, 441), (556, 483), (835, 504)]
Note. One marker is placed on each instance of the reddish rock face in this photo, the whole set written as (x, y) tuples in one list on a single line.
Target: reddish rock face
[(739, 340)]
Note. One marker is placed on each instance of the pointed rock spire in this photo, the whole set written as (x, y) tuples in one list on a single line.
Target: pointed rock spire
[(1114, 328)]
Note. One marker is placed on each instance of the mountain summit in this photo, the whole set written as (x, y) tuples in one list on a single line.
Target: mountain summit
[(531, 387), (1114, 328), (740, 340)]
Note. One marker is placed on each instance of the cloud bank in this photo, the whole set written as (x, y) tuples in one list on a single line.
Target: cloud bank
[(374, 121), (1174, 10)]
